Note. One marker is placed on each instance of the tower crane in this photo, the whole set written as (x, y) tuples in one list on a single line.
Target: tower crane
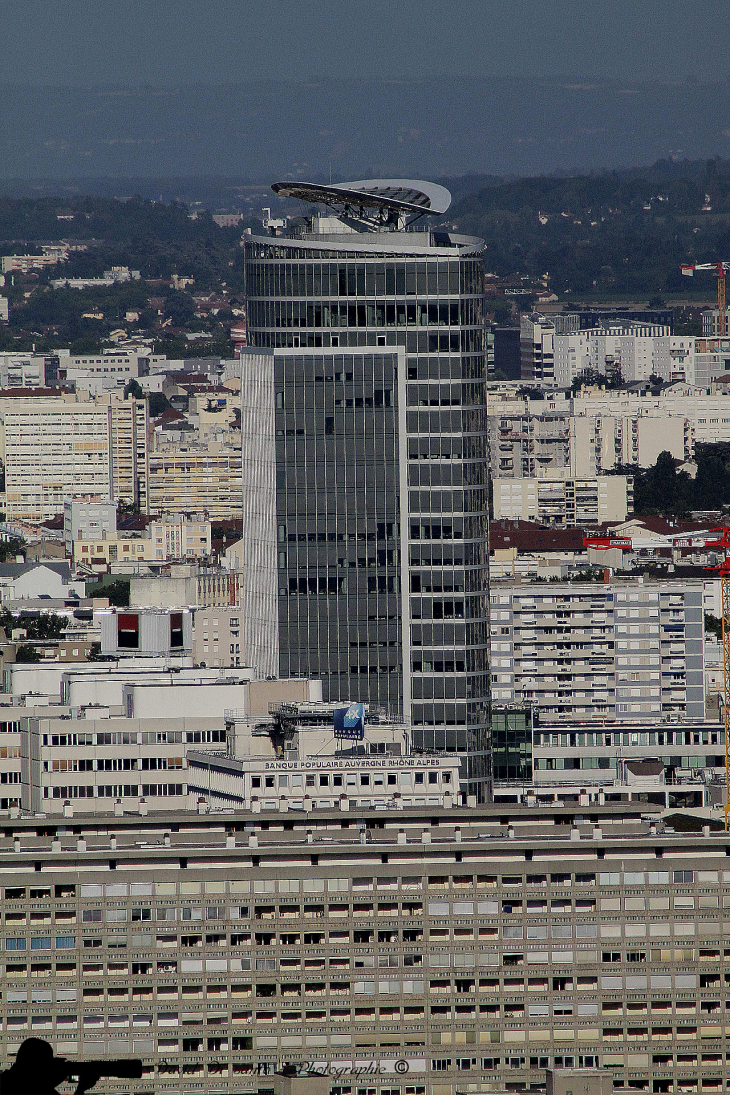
[(720, 268), (717, 539)]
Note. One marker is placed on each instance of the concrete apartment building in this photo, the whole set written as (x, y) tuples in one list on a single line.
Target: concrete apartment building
[(559, 442), (90, 518), (537, 351), (621, 424), (177, 536), (186, 585), (564, 501), (23, 264), (192, 477), (636, 351), (55, 447), (554, 351), (129, 450), (28, 370), (711, 324), (429, 958), (625, 650), (51, 448), (218, 636), (707, 413), (172, 538)]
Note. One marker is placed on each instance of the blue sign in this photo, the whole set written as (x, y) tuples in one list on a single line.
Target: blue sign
[(350, 721)]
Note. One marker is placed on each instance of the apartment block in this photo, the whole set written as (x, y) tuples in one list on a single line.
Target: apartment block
[(564, 502), (23, 264), (130, 450), (711, 322), (55, 447), (189, 477), (635, 351), (621, 650), (177, 536), (87, 519), (217, 636), (706, 413), (555, 351), (52, 449), (558, 442), (393, 953), (537, 350)]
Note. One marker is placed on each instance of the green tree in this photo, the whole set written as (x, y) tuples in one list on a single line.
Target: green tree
[(45, 626), (158, 403), (27, 653), (117, 591), (713, 626), (133, 388), (587, 378), (11, 548)]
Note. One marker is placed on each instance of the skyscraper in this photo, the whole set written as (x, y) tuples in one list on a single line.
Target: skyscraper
[(364, 423)]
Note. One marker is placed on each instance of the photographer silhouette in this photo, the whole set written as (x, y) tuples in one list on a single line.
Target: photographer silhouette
[(36, 1070)]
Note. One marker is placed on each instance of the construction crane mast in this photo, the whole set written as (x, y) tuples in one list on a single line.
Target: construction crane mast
[(720, 268), (717, 539)]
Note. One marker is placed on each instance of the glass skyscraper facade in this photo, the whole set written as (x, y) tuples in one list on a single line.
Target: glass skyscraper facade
[(375, 343)]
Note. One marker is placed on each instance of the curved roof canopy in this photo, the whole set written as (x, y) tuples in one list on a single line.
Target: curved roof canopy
[(386, 201)]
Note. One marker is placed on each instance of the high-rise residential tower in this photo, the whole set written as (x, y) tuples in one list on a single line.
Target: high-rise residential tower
[(365, 459)]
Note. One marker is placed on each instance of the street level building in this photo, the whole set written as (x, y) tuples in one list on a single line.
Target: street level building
[(364, 434)]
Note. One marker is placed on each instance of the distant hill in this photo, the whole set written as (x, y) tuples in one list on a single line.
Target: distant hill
[(596, 234), (258, 131), (613, 233)]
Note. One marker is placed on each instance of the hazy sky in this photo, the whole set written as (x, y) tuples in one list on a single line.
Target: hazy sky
[(80, 42)]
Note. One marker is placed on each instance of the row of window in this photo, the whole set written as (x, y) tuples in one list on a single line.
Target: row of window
[(368, 883), (298, 314), (633, 737), (115, 764), (405, 277), (134, 738), (116, 790)]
